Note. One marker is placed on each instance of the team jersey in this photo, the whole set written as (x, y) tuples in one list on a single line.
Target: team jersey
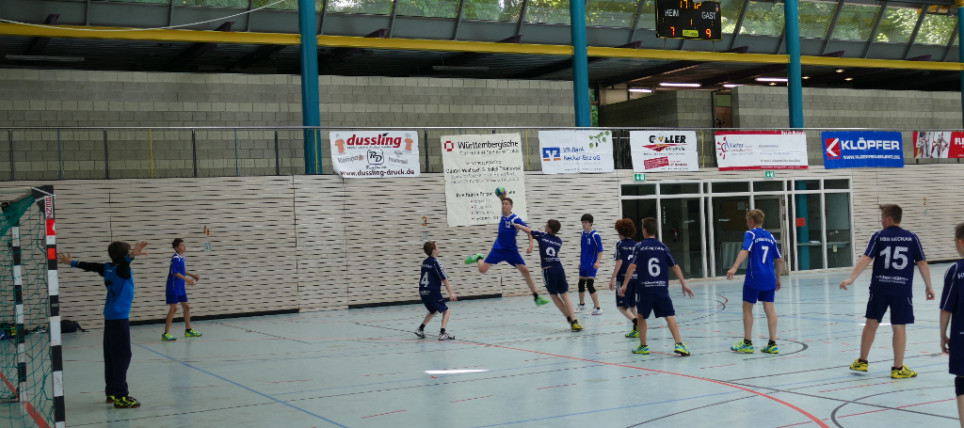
[(895, 252), (653, 261), (763, 250), (624, 252), (177, 266), (548, 247), (591, 245), (431, 277), (952, 300), (119, 281), (508, 232)]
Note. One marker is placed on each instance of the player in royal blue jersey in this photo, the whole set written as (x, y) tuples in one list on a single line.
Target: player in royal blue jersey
[(648, 272), (763, 267), (553, 274), (952, 314), (175, 293), (505, 249), (626, 304), (590, 255), (894, 251), (431, 279)]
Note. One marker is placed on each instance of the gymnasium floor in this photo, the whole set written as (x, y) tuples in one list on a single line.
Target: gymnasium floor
[(521, 366)]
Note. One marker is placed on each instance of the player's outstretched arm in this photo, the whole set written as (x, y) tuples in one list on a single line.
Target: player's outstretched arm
[(861, 265), (525, 229), (736, 265), (679, 274), (64, 258), (925, 271), (139, 249)]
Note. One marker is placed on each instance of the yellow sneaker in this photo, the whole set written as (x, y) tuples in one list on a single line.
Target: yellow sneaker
[(860, 366), (903, 373), (576, 326)]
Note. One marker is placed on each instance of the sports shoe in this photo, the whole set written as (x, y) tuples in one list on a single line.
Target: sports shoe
[(580, 307), (541, 301), (445, 336), (576, 326), (597, 311), (641, 349), (771, 349), (110, 399), (126, 402), (168, 337), (633, 333), (860, 366), (903, 373), (192, 333), (681, 349), (743, 347), (420, 334), (473, 258)]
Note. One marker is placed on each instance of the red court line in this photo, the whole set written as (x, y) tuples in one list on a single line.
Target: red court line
[(29, 407), (718, 382)]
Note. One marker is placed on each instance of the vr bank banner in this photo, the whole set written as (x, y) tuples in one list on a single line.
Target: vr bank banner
[(663, 150), (862, 149), (474, 166), (573, 152), (938, 144), (739, 150), (375, 154)]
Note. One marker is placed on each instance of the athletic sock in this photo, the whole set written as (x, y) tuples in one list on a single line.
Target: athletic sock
[(896, 368), (771, 343), (748, 341), (535, 296), (569, 319), (421, 327), (441, 331)]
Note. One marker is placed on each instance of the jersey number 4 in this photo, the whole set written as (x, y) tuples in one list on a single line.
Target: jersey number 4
[(424, 281)]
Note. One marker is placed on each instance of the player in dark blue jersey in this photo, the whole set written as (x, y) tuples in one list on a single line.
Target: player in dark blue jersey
[(648, 271), (590, 255), (431, 278), (894, 251), (626, 304), (506, 250), (177, 277), (763, 267), (119, 281), (952, 314), (553, 274)]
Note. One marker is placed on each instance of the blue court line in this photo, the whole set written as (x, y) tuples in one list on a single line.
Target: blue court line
[(242, 386)]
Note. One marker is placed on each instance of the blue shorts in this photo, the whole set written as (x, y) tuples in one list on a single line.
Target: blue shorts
[(629, 300), (434, 302), (751, 295), (173, 298), (901, 309), (554, 278), (511, 257), (660, 304), (587, 272), (957, 359)]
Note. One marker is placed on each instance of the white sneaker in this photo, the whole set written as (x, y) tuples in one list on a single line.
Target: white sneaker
[(445, 336), (597, 311), (580, 307)]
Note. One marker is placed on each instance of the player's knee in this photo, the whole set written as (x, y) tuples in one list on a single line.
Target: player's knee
[(959, 386), (582, 285), (590, 286)]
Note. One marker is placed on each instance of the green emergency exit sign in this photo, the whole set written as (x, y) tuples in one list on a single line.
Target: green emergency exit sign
[(639, 177)]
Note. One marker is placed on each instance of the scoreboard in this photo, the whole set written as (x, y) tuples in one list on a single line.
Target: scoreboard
[(685, 19)]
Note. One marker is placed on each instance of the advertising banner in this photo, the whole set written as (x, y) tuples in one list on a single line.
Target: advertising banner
[(475, 165), (938, 144), (663, 150), (573, 151), (862, 149), (740, 150), (375, 154)]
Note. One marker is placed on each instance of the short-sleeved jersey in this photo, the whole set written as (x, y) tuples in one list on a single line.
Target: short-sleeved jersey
[(177, 266), (590, 246), (895, 252), (508, 232), (624, 252), (431, 276), (760, 269), (653, 261), (952, 300), (549, 245)]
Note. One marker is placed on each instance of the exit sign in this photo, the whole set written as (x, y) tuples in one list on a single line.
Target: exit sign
[(639, 177), (769, 174)]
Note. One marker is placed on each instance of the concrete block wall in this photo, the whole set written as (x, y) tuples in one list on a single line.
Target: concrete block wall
[(35, 98)]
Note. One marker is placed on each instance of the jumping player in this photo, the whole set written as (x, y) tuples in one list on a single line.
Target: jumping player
[(553, 274)]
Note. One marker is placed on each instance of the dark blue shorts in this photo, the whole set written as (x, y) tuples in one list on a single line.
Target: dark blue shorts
[(554, 278), (629, 300), (587, 272), (511, 257), (434, 302), (901, 309), (660, 304), (957, 353), (173, 298), (751, 295)]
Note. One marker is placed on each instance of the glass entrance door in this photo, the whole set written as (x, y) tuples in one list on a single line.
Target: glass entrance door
[(728, 220), (682, 231), (774, 214)]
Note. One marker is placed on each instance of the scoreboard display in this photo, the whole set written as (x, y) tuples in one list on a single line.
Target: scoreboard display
[(685, 19)]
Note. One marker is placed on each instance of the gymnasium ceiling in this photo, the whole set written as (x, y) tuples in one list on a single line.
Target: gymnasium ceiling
[(871, 45)]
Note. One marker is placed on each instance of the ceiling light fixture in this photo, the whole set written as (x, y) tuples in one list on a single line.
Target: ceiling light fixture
[(679, 85), (730, 85), (772, 79), (849, 78), (839, 70), (641, 90)]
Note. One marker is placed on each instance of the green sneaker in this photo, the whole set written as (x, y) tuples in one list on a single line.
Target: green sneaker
[(192, 333), (771, 349), (126, 402), (641, 349), (168, 337), (903, 373), (743, 347), (681, 349), (540, 301), (110, 399), (634, 334), (859, 366), (473, 259)]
